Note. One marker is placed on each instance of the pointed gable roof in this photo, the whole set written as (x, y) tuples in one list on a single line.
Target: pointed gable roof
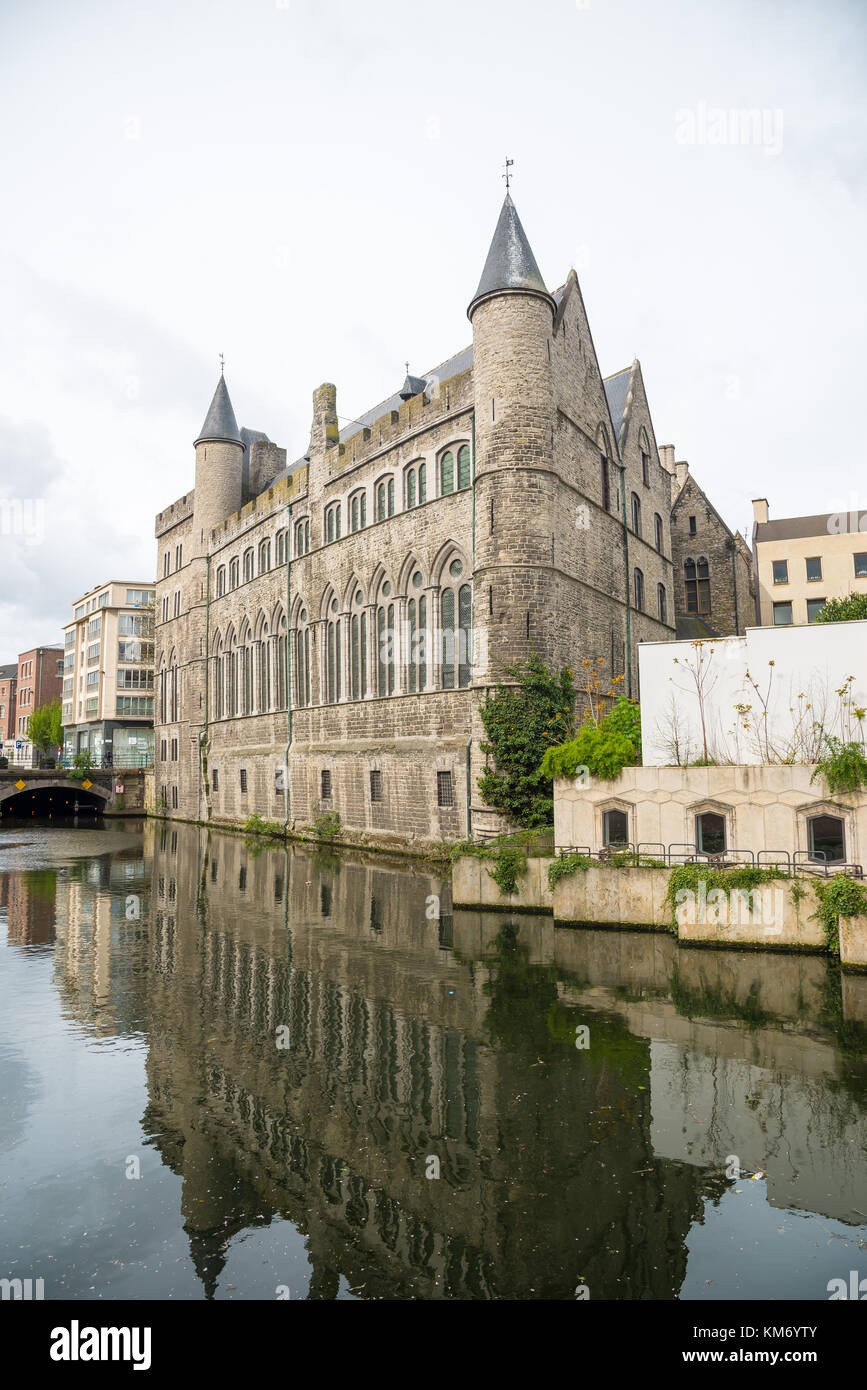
[(511, 264), (220, 424), (616, 391)]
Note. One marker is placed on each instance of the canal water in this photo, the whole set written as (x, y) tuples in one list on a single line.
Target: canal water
[(230, 1070)]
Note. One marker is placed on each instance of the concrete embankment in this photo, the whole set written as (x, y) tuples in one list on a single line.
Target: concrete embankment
[(781, 914)]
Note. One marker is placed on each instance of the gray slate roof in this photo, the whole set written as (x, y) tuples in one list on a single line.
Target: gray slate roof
[(511, 264), (453, 366), (616, 388), (7, 672), (792, 528), (220, 423)]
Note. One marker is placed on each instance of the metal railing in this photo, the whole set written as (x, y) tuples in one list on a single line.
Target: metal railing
[(123, 762), (791, 862)]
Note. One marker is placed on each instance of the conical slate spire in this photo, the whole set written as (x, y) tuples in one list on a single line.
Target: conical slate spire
[(220, 424), (511, 264)]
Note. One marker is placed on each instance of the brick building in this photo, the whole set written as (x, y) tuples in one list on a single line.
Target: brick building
[(714, 589), (325, 629), (39, 682), (8, 685)]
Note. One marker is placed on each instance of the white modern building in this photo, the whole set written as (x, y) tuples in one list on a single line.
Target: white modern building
[(108, 676)]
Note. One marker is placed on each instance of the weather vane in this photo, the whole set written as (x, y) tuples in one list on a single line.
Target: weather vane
[(222, 363), (507, 176)]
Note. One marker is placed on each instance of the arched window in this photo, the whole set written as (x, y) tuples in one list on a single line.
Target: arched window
[(233, 574), (302, 537), (248, 565), (280, 548), (638, 590), (422, 483), (636, 514), (221, 581), (391, 496), (280, 664), (417, 637), (334, 654), (657, 529), (385, 636), (697, 585), (380, 501), (457, 636), (358, 511), (332, 523), (447, 473), (231, 674), (605, 482), (163, 693), (358, 648), (410, 492), (464, 466), (302, 661), (661, 603), (173, 689), (263, 669), (219, 679), (245, 672), (264, 557)]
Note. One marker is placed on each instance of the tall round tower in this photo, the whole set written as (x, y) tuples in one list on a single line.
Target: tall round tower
[(219, 460), (512, 315)]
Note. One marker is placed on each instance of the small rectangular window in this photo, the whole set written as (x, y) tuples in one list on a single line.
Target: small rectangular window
[(781, 571), (445, 790), (174, 798), (244, 780), (215, 779), (325, 780), (174, 750), (814, 568), (782, 615), (692, 526), (376, 786), (861, 566), (814, 608)]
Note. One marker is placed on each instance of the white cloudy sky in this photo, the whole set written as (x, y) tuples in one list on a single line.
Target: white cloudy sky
[(310, 186)]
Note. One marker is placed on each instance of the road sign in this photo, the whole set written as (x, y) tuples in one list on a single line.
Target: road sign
[(87, 785), (18, 743), (118, 788), (20, 785)]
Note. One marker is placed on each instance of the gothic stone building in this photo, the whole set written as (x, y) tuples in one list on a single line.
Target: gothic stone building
[(326, 630), (714, 586)]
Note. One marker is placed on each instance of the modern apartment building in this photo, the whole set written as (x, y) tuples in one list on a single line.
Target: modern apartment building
[(108, 679), (801, 561)]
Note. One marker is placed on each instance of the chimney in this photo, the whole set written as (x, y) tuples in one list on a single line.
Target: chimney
[(760, 510), (680, 472), (666, 457)]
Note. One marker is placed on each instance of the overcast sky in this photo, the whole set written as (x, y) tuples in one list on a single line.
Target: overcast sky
[(310, 187)]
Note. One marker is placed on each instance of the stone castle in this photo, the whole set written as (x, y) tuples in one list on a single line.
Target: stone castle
[(326, 629)]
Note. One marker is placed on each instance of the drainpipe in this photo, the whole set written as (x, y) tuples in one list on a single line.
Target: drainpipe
[(288, 679), (628, 596), (203, 732), (735, 588), (470, 739)]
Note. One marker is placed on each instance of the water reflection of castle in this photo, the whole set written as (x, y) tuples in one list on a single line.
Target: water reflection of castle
[(409, 1036)]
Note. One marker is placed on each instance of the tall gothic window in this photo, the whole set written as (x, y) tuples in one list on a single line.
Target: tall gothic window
[(456, 623), (697, 583), (233, 574), (280, 547), (334, 655), (219, 679), (658, 533), (464, 466), (221, 581), (280, 656), (264, 557), (302, 661), (447, 473), (410, 489), (422, 483), (358, 649), (606, 484), (636, 514), (385, 636), (638, 590), (417, 641), (661, 603), (248, 565)]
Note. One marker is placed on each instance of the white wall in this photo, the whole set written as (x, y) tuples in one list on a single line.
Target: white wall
[(809, 665)]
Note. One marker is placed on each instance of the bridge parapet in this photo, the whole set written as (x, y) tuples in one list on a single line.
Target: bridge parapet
[(121, 793)]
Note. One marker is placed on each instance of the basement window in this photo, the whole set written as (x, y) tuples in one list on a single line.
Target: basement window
[(615, 828), (325, 784), (244, 780), (445, 789), (827, 839), (376, 786), (710, 833)]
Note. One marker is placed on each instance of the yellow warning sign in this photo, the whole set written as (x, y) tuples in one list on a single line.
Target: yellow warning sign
[(87, 785), (20, 785)]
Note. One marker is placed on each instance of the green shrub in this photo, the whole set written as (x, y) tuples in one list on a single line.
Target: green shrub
[(844, 766), (840, 896), (745, 877), (565, 866), (844, 610), (509, 860), (521, 720), (326, 826), (605, 749), (255, 825)]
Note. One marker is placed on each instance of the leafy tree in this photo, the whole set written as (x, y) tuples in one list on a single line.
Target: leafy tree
[(44, 727), (843, 610), (521, 720)]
